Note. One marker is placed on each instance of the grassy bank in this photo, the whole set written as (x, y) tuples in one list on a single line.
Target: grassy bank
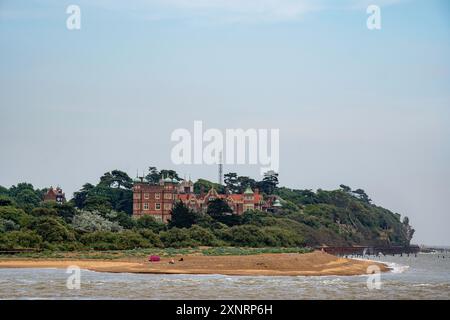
[(143, 253)]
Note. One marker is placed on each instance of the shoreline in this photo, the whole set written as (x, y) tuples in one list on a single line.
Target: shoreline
[(274, 264)]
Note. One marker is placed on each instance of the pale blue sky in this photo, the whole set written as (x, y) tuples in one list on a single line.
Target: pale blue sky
[(370, 109)]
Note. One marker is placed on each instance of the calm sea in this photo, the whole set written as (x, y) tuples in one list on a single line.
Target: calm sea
[(426, 276)]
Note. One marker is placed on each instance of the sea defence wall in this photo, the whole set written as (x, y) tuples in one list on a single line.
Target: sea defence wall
[(370, 250)]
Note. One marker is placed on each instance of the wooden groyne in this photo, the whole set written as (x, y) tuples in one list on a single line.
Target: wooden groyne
[(370, 250)]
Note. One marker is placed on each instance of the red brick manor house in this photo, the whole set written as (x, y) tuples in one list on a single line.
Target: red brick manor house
[(158, 200)]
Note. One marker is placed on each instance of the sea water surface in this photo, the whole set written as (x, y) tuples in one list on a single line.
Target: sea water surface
[(426, 276)]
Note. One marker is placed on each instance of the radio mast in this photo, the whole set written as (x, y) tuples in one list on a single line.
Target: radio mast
[(220, 169)]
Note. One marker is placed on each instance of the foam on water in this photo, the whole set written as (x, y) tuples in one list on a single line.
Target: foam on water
[(393, 266)]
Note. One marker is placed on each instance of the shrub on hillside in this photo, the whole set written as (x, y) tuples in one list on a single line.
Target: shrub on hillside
[(100, 240), (148, 222), (8, 225), (52, 229), (151, 237), (20, 240), (107, 240), (177, 238), (202, 236), (246, 235), (86, 221), (18, 216), (277, 237)]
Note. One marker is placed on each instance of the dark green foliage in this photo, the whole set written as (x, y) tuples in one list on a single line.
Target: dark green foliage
[(4, 191), (202, 236), (154, 175), (40, 211), (25, 195), (151, 237), (148, 222), (116, 179), (345, 217), (246, 235), (113, 192), (202, 185), (125, 240), (182, 216), (65, 211), (339, 217), (177, 238), (18, 216), (6, 201), (52, 229), (20, 240), (221, 212), (125, 220), (100, 240), (218, 208), (269, 184)]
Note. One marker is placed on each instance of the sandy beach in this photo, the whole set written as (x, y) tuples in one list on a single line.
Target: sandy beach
[(282, 264)]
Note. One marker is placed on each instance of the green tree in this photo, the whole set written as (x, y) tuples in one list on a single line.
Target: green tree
[(245, 182), (220, 211), (231, 182), (172, 174), (218, 208), (177, 238), (148, 222), (27, 197), (151, 237), (4, 191), (269, 183), (125, 220), (79, 197), (86, 221), (205, 185), (41, 211), (6, 201), (8, 225), (362, 195), (153, 175), (202, 236), (128, 239), (182, 216), (64, 210), (52, 229), (18, 216), (25, 239), (15, 190), (116, 179)]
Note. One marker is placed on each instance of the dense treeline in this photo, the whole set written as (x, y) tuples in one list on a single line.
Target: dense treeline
[(99, 217)]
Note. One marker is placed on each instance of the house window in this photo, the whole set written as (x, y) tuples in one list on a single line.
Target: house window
[(157, 196), (137, 195), (146, 196), (136, 206), (167, 206), (168, 196), (145, 206), (157, 206)]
